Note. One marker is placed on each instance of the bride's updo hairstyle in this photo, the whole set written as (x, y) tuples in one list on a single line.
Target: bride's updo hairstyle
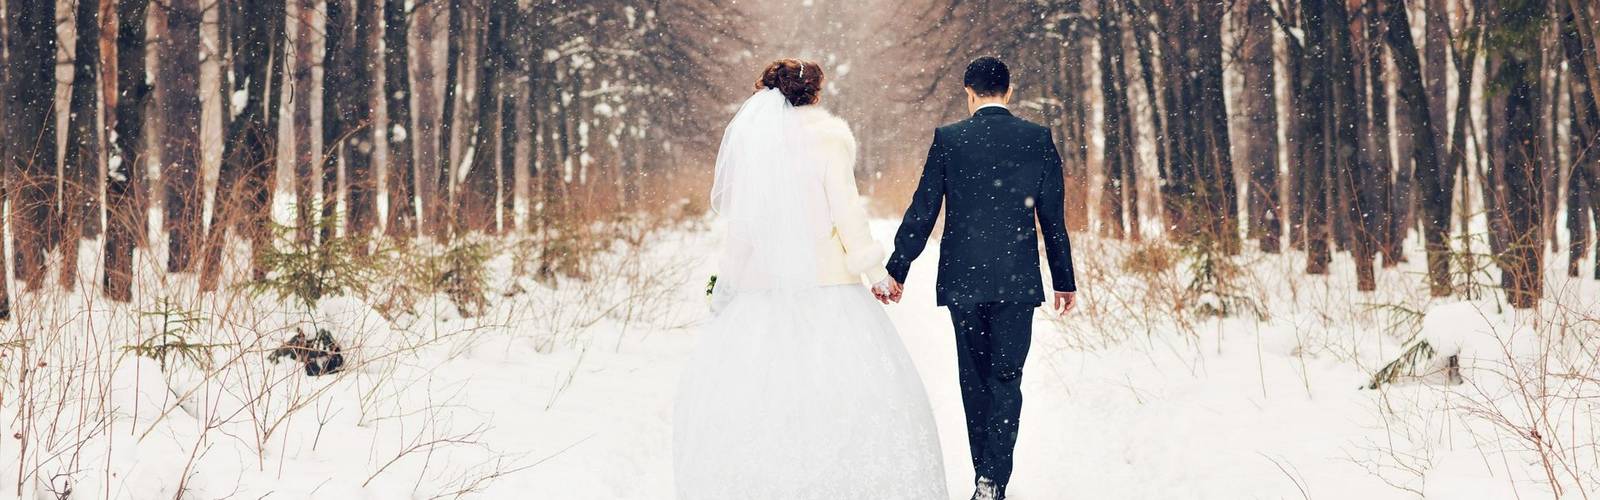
[(800, 81)]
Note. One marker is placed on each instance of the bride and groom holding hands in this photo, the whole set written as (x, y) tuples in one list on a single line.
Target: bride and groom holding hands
[(800, 387)]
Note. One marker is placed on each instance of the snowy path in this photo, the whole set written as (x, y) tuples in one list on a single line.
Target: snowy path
[(1156, 417), (1136, 422)]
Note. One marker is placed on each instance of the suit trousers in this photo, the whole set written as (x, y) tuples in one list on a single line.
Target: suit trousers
[(992, 342)]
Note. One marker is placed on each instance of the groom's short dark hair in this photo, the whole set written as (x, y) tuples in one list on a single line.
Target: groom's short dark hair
[(987, 76)]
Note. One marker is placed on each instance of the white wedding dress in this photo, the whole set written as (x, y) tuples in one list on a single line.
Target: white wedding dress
[(797, 390)]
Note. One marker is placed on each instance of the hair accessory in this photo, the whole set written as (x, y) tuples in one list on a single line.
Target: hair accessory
[(802, 69)]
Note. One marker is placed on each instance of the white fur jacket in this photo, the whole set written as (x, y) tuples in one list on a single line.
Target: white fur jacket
[(850, 252)]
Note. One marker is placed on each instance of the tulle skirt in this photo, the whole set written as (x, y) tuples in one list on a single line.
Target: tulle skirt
[(804, 395)]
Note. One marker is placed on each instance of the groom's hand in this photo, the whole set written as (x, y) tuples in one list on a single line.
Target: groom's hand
[(880, 290), (887, 291), (1064, 302)]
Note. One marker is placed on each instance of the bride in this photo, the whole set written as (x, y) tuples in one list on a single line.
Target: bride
[(800, 387)]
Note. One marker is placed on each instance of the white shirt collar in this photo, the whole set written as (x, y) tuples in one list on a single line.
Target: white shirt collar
[(992, 105)]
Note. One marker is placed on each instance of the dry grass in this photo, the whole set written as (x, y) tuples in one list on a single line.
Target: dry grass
[(80, 376), (1529, 409)]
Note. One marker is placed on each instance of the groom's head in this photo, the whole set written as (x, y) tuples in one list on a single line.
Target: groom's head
[(987, 81)]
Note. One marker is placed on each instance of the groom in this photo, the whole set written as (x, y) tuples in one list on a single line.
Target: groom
[(995, 174)]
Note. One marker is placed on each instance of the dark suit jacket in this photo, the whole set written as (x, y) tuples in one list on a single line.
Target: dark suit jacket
[(994, 173)]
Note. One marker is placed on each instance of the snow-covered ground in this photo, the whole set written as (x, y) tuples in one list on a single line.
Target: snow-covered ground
[(1234, 409), (567, 392)]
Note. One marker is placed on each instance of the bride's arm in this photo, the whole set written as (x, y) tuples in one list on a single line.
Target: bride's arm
[(862, 253)]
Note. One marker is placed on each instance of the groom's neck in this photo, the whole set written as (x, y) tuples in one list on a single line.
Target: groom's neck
[(977, 104)]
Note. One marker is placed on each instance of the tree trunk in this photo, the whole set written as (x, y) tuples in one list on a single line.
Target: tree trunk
[(1222, 191), (1549, 83), (1436, 36), (1261, 110), (508, 155), (180, 149), (1402, 199), (1491, 164), (1355, 176), (1434, 181), (304, 146), (1585, 133), (1515, 41), (475, 207), (122, 209), (31, 122), (426, 164), (1579, 192), (1178, 185), (1138, 19), (509, 93), (336, 34), (1316, 125), (361, 179), (1456, 163), (541, 198), (1075, 166), (444, 215), (262, 178), (80, 183), (1297, 128), (553, 179), (1130, 170), (243, 186), (397, 95), (1594, 213), (1376, 134), (1111, 199), (1588, 26)]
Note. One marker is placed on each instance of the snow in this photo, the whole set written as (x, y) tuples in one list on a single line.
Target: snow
[(1460, 329), (565, 390), (1243, 410)]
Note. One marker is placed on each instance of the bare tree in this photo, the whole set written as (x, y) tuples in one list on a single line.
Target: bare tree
[(1315, 126), (475, 205), (31, 132), (397, 98), (244, 185), (335, 127), (305, 154), (510, 92), (1584, 186), (180, 148), (1200, 193), (1261, 110), (80, 183), (123, 212), (1118, 151), (426, 164), (1434, 181), (1514, 43), (1375, 137), (443, 211), (1073, 124), (355, 105)]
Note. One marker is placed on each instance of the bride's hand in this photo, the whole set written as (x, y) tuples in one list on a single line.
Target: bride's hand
[(1064, 301), (887, 291)]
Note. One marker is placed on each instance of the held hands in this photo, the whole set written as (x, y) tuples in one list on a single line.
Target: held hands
[(1064, 302), (888, 291)]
